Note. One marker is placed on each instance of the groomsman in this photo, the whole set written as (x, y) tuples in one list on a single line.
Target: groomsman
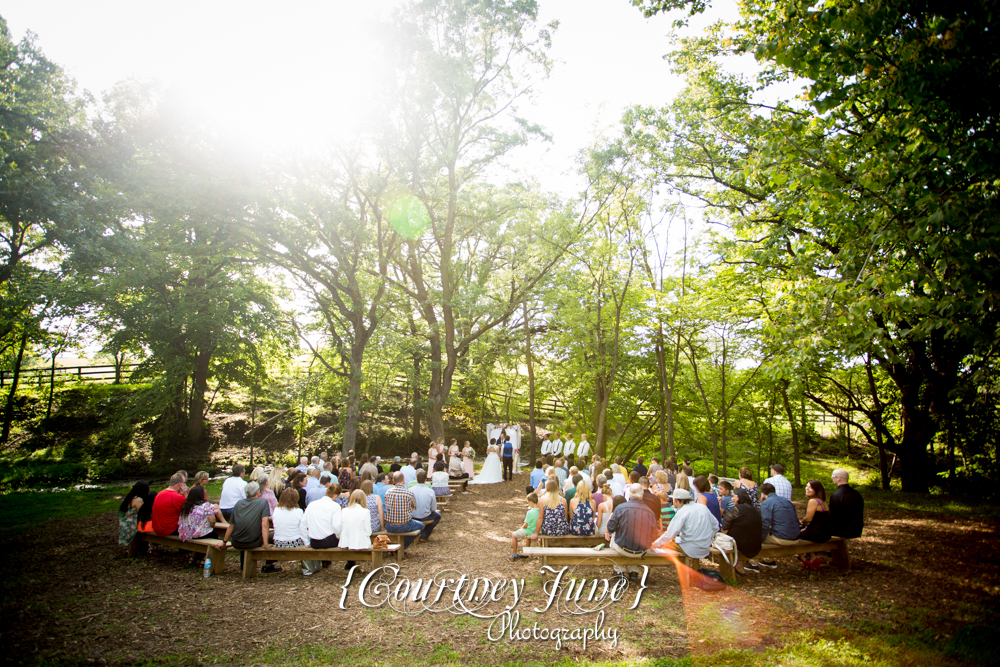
[(583, 449), (557, 445), (569, 447), (546, 445)]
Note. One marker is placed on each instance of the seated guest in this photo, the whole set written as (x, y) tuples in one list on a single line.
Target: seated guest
[(167, 507), (561, 472), (725, 495), (553, 513), (312, 479), (597, 485), (816, 524), (232, 490), (652, 502), (356, 525), (742, 523), (456, 468), (409, 473), (713, 480), (682, 481), (345, 476), (255, 475), (632, 529), (618, 480), (303, 464), (394, 466), (320, 527), (399, 506), (249, 526), (569, 483), (287, 518), (128, 512), (746, 482), (368, 465), (425, 510), (654, 467), (198, 519), (779, 524), (661, 489), (692, 528), (439, 481), (374, 504), (640, 468), (381, 487), (345, 494), (781, 485), (570, 491), (582, 510), (201, 478), (319, 490), (528, 528), (847, 508), (606, 507), (266, 493), (706, 497)]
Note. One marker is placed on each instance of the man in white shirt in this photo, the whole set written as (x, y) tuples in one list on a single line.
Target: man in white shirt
[(692, 528), (569, 447), (233, 491), (320, 527), (583, 449), (782, 487), (546, 445), (557, 445)]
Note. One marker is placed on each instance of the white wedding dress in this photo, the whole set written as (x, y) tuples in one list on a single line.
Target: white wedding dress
[(492, 470)]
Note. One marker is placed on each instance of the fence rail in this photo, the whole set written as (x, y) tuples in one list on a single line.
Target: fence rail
[(94, 373)]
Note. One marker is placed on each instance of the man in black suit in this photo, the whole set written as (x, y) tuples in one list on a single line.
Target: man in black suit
[(847, 507)]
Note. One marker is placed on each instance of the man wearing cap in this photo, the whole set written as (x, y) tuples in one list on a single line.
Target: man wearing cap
[(777, 479), (692, 528), (847, 507), (632, 529)]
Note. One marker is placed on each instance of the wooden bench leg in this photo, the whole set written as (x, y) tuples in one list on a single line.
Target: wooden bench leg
[(249, 566), (840, 556), (376, 559), (727, 570), (218, 557), (133, 546)]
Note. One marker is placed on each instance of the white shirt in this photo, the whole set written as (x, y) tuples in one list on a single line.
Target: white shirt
[(546, 447), (409, 473), (286, 524), (356, 528), (583, 449), (569, 447), (693, 527), (233, 491), (619, 479), (557, 447), (440, 479), (321, 520), (616, 488)]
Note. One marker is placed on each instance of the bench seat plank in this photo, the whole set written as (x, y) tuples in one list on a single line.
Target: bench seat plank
[(210, 547), (374, 556)]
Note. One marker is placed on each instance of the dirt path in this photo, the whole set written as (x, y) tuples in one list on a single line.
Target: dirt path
[(78, 599)]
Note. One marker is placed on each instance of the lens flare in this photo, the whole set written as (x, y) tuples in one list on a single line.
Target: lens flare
[(409, 217)]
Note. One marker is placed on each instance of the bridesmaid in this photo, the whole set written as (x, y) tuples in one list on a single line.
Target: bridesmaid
[(468, 456)]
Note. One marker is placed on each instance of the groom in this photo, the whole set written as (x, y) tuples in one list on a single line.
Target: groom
[(508, 459)]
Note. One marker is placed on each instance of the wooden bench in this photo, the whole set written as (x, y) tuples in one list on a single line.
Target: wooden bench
[(396, 539), (373, 556), (460, 484), (212, 548), (559, 556), (571, 540), (836, 545)]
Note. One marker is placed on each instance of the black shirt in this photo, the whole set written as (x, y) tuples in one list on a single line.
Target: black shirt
[(395, 467), (651, 501), (743, 524), (847, 512), (641, 469)]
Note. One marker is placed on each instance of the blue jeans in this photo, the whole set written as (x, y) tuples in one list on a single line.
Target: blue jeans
[(406, 528), (434, 519)]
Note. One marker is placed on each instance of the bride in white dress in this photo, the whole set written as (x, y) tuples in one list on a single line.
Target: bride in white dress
[(492, 471)]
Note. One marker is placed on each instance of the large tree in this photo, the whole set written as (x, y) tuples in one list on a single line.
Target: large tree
[(870, 200)]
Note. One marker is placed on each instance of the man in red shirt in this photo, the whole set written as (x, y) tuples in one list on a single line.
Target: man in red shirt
[(167, 507)]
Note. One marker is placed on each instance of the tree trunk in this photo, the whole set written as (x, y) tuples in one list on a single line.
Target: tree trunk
[(52, 387), (795, 431), (196, 412), (661, 367), (253, 425), (8, 414), (531, 384), (918, 431), (353, 406)]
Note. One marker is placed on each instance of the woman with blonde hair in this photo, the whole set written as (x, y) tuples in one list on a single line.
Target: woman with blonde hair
[(682, 482), (255, 475), (582, 509), (356, 523), (201, 478), (553, 516), (661, 489), (606, 508)]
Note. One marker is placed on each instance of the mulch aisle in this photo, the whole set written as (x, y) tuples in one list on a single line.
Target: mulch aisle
[(76, 598)]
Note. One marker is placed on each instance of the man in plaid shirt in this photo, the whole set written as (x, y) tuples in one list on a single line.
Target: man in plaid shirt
[(399, 506), (782, 487)]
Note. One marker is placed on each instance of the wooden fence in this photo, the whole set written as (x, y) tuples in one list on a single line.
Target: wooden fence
[(95, 373)]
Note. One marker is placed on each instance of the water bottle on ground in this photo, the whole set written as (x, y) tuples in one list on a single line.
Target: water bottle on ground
[(207, 570)]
